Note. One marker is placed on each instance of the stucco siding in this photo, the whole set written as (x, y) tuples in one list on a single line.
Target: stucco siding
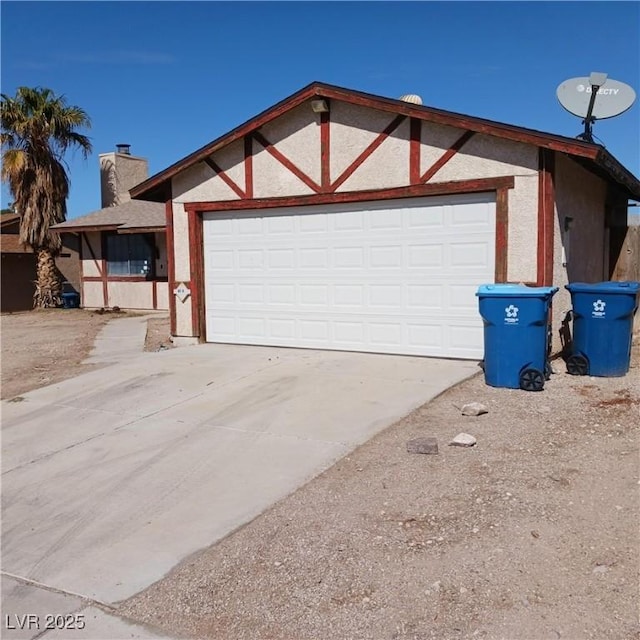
[(162, 293), (352, 130), (487, 157), (297, 136), (92, 296), (91, 242), (201, 183), (119, 173), (183, 317), (181, 243), (271, 179), (130, 295), (522, 265), (387, 167), (435, 139), (581, 196)]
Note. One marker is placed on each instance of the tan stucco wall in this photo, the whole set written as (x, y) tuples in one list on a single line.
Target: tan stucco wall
[(89, 266), (352, 130), (119, 173), (582, 196), (182, 268), (162, 293), (297, 136), (92, 297), (130, 295)]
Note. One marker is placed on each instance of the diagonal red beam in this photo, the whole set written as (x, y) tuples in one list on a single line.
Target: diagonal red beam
[(282, 159), (225, 178), (348, 172), (446, 156)]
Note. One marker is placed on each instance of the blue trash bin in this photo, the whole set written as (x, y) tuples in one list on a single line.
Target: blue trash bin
[(516, 334), (602, 327), (70, 300)]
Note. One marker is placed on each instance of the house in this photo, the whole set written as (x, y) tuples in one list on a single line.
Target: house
[(18, 266), (123, 250), (341, 220)]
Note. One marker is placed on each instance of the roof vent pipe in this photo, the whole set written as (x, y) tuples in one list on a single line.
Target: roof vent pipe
[(124, 149)]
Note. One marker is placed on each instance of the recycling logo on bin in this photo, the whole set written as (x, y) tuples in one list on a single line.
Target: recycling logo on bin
[(599, 308), (511, 314)]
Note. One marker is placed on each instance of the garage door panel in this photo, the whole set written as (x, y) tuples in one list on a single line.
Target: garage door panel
[(325, 277)]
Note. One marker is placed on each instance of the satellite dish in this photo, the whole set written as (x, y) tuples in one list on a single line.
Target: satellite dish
[(612, 98), (595, 98)]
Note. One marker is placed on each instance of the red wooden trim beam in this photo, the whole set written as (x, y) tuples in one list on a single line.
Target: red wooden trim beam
[(196, 269), (104, 270), (225, 178), (546, 215), (502, 234), (154, 294), (118, 279), (348, 172), (282, 159), (447, 155), (325, 151), (171, 265), (415, 130), (414, 191), (248, 167), (81, 258)]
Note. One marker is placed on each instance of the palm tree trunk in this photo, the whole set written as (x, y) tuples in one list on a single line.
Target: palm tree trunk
[(48, 285)]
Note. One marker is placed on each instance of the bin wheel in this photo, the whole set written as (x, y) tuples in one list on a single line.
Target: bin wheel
[(532, 380), (547, 371), (577, 365)]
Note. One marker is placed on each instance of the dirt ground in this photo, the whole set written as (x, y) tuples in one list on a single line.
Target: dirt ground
[(531, 534), (45, 346), (42, 347)]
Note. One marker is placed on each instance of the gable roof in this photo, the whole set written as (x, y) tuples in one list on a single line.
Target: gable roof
[(593, 156), (136, 215)]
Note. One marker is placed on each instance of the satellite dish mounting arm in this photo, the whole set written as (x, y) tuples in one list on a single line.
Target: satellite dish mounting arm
[(596, 80)]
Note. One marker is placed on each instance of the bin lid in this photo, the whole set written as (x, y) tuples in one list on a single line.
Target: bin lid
[(517, 290), (628, 286)]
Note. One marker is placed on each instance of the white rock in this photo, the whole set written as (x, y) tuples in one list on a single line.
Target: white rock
[(474, 409), (463, 440)]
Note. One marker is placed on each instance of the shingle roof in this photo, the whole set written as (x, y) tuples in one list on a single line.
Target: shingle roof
[(10, 243), (136, 214)]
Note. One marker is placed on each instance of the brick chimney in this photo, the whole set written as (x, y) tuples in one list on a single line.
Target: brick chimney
[(119, 172)]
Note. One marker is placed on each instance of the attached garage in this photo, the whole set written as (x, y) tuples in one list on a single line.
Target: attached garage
[(341, 220), (397, 276)]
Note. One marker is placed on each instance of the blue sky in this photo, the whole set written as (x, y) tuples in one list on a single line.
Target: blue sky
[(169, 77)]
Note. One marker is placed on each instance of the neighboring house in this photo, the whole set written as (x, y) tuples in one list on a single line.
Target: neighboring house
[(123, 249), (342, 220), (18, 268)]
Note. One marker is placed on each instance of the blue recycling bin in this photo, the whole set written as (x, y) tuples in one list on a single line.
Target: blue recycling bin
[(602, 327), (70, 300), (516, 334)]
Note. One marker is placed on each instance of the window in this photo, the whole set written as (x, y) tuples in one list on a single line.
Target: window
[(131, 254)]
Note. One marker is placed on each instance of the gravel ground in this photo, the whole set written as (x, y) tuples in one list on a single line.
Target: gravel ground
[(531, 534)]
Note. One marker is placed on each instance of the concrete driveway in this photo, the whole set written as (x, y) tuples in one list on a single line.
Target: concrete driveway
[(112, 478)]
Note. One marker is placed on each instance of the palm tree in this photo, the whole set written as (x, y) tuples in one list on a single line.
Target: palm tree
[(38, 128)]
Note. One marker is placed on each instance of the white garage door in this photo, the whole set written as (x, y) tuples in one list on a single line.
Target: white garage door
[(394, 276)]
